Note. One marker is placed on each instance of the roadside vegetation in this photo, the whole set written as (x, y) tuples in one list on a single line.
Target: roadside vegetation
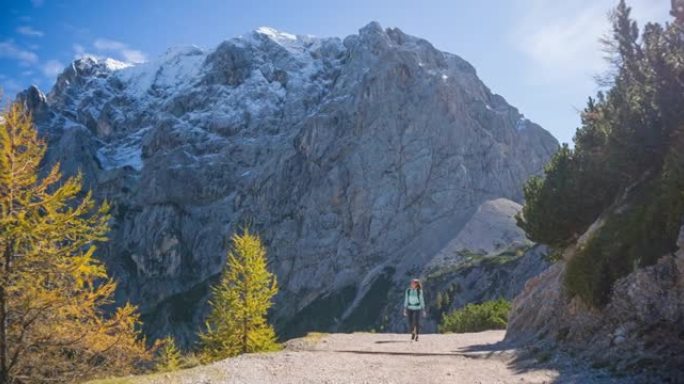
[(627, 165), (477, 317)]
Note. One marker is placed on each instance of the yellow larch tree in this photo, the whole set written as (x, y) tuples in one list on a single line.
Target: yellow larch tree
[(169, 358), (239, 303), (52, 289)]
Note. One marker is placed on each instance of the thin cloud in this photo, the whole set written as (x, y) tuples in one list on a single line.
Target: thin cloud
[(133, 56), (9, 50), (123, 50), (8, 87), (80, 32), (29, 31), (562, 39), (52, 68), (37, 3), (109, 45), (650, 11)]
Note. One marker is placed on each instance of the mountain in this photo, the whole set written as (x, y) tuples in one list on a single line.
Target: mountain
[(357, 160)]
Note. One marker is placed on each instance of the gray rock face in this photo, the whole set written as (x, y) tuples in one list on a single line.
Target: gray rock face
[(357, 160), (490, 230)]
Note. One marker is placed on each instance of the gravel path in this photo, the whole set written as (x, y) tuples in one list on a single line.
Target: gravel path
[(376, 358)]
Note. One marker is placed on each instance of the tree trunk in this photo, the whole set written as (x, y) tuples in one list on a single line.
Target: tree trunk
[(4, 375), (244, 335), (245, 324), (4, 347)]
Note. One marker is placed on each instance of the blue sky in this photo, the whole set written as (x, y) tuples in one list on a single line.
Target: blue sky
[(541, 55)]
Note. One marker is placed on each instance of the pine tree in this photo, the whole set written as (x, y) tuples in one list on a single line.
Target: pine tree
[(169, 357), (237, 322), (51, 287), (543, 218), (626, 166)]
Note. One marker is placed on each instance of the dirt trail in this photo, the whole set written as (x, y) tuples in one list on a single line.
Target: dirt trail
[(379, 358)]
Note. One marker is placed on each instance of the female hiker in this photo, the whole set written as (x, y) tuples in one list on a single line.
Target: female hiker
[(414, 304)]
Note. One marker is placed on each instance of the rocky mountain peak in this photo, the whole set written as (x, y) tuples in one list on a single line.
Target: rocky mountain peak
[(357, 160), (33, 98), (273, 34)]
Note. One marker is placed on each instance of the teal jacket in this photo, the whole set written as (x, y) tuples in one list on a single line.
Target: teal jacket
[(413, 299)]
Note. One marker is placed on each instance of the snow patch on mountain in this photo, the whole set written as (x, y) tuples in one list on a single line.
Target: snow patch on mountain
[(521, 124), (276, 35), (123, 153), (168, 74)]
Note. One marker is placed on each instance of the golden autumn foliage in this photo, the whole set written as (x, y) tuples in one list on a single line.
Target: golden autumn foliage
[(239, 303), (169, 358), (52, 289)]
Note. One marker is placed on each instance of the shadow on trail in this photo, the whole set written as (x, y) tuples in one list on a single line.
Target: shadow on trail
[(526, 359), (392, 342), (392, 353), (496, 347)]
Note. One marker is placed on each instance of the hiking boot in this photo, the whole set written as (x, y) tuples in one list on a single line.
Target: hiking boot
[(416, 339)]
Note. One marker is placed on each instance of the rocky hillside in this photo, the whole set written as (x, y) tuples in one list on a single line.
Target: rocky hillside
[(638, 331), (358, 160)]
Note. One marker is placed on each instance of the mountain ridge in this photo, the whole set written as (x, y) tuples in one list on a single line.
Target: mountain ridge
[(357, 160)]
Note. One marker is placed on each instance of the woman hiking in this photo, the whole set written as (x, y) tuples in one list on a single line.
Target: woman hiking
[(414, 304)]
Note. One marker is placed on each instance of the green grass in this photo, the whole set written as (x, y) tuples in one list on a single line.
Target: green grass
[(182, 376), (130, 379), (471, 259), (314, 337), (122, 380), (477, 317)]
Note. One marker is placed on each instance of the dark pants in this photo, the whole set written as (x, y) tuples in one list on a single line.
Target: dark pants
[(414, 320)]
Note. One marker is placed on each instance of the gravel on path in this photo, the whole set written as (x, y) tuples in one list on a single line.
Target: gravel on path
[(375, 358)]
